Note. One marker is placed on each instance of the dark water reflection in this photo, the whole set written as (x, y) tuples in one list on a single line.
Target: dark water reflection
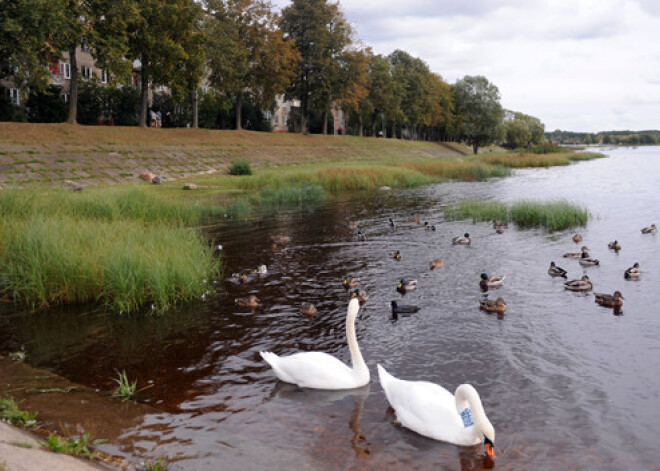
[(567, 384)]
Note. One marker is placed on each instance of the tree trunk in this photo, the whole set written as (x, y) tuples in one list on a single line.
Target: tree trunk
[(325, 122), (393, 130), (144, 96), (73, 86), (303, 114), (239, 111), (475, 147), (373, 124), (360, 126), (194, 103)]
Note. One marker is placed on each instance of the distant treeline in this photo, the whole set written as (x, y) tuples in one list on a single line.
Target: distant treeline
[(651, 137)]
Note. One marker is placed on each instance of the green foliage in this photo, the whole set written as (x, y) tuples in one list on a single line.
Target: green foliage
[(8, 110), (69, 446), (91, 99), (215, 111), (121, 105), (305, 193), (547, 148), (11, 412), (554, 215), (125, 389), (241, 167), (157, 465), (46, 106)]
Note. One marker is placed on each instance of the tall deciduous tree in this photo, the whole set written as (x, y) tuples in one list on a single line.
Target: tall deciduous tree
[(381, 96), (478, 106), (247, 52), (321, 34)]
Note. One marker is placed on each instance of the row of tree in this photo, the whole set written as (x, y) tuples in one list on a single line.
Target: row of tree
[(248, 52), (650, 137)]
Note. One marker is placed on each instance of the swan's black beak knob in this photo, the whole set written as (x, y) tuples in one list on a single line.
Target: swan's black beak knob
[(490, 448)]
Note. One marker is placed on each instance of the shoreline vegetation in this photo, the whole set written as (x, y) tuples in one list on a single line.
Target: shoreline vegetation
[(128, 247)]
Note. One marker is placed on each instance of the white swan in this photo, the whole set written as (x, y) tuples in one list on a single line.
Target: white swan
[(318, 370), (432, 411)]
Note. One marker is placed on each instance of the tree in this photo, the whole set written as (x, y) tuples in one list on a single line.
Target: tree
[(517, 133), (247, 52), (478, 106), (381, 99), (320, 33)]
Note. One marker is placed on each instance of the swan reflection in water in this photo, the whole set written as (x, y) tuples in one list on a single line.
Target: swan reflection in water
[(320, 397)]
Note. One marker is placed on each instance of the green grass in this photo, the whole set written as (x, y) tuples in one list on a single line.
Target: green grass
[(124, 248), (241, 167), (11, 413), (554, 215), (538, 160), (125, 389), (69, 446), (157, 465), (23, 445)]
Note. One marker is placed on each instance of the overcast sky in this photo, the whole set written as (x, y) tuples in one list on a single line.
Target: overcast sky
[(578, 65)]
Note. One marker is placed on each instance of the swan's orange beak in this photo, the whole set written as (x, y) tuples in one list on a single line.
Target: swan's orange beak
[(490, 450)]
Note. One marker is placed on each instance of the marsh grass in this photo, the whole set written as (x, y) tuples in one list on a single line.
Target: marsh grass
[(554, 215), (124, 251), (538, 160), (69, 446), (11, 413), (125, 390)]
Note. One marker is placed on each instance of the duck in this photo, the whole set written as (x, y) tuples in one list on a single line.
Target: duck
[(308, 309), (429, 227), (360, 295), (350, 282), (261, 270), (403, 309), (392, 223), (438, 262), (406, 285), (650, 230), (583, 284), (587, 261), (498, 306), (430, 410), (490, 282), (240, 277), (416, 220), (609, 300), (501, 224), (251, 301), (320, 370), (464, 240), (614, 246), (633, 272), (577, 238), (280, 239), (499, 230), (396, 255), (577, 254), (554, 270), (352, 226), (361, 236)]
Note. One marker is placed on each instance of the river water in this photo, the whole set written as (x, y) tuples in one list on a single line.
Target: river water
[(566, 383)]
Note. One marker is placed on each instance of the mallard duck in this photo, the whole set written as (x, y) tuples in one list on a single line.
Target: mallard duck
[(501, 224), (403, 309), (349, 282), (583, 284), (416, 220), (633, 272), (406, 285), (361, 296), (308, 309), (261, 270), (650, 230), (250, 301), (491, 282), (438, 262), (361, 236), (554, 270), (280, 239), (352, 226), (240, 277), (587, 261), (614, 246), (428, 226), (465, 240), (499, 230), (577, 238), (392, 223), (609, 300), (577, 254), (432, 411), (499, 305), (396, 255)]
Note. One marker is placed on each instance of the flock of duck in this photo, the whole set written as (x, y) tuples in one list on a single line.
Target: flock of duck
[(423, 407)]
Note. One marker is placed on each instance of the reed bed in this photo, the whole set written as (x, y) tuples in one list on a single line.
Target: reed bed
[(59, 249), (538, 160), (554, 215), (462, 170)]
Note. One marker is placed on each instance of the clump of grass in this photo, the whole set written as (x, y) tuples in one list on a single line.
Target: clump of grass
[(527, 160), (157, 465), (125, 389), (69, 446), (23, 445), (462, 170), (242, 167), (304, 193), (578, 156), (11, 413), (554, 215)]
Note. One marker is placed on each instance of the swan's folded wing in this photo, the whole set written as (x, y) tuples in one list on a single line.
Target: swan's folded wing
[(316, 370)]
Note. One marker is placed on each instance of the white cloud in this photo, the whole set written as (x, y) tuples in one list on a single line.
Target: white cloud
[(585, 65)]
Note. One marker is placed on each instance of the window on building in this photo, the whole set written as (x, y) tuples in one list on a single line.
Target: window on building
[(277, 119), (65, 97), (86, 72), (205, 89), (65, 69), (104, 76), (14, 96)]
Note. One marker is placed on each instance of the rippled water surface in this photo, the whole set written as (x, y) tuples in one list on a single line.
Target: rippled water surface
[(566, 383)]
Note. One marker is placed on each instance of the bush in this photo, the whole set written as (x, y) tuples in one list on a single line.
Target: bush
[(240, 168), (546, 149), (8, 110), (46, 106), (121, 105), (90, 102)]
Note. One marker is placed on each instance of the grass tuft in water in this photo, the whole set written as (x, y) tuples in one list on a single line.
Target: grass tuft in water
[(69, 446), (125, 389), (11, 413), (554, 215)]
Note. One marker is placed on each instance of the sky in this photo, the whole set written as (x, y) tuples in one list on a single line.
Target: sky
[(577, 65)]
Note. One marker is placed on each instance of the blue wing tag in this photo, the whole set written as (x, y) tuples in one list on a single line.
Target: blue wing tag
[(466, 415)]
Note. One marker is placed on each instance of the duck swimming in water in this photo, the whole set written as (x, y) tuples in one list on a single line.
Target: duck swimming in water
[(554, 270), (583, 284), (614, 246), (464, 240), (650, 230), (406, 285), (633, 272), (490, 282), (577, 238), (498, 306), (609, 300), (577, 254)]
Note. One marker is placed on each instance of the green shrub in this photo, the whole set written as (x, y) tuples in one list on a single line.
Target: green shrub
[(11, 412), (242, 167)]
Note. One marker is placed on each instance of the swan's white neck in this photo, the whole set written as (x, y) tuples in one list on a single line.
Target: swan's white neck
[(466, 396), (357, 362)]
